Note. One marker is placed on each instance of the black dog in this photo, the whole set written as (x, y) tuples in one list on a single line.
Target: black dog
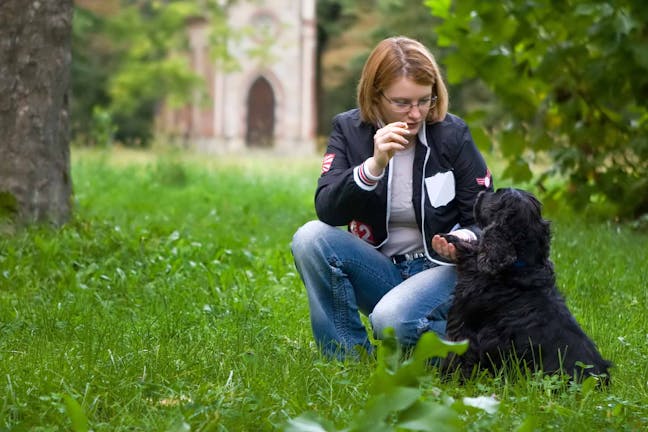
[(506, 303)]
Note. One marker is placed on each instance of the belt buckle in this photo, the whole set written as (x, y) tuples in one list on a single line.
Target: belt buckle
[(413, 256), (397, 259)]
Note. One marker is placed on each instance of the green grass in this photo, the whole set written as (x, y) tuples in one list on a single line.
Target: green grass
[(170, 302)]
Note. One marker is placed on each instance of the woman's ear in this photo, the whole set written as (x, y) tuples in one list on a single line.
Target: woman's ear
[(496, 251)]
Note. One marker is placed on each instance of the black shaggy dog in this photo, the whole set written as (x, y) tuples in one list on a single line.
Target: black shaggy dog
[(506, 303)]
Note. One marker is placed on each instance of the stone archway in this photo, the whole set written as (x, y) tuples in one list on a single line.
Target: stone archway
[(260, 114)]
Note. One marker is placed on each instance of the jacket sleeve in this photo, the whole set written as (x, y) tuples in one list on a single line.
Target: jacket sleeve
[(340, 196), (471, 175)]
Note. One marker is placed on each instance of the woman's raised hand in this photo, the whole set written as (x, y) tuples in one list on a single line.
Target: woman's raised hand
[(387, 140)]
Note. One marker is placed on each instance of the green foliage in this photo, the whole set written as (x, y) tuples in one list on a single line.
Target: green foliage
[(126, 63), (400, 17), (570, 80), (396, 400), (93, 61), (103, 128), (152, 41), (334, 17)]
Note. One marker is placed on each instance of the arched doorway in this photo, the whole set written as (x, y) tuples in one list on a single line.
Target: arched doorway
[(260, 114)]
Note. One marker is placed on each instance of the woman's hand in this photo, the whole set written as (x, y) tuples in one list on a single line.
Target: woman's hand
[(443, 248), (447, 250), (387, 140)]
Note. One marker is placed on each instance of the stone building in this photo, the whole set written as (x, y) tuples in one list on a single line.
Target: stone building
[(267, 101)]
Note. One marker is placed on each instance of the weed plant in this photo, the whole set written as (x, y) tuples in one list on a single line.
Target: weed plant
[(170, 302)]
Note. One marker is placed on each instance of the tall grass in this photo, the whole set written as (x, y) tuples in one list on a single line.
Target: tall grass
[(170, 302)]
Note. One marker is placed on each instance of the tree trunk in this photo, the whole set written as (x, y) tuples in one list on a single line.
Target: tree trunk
[(35, 58)]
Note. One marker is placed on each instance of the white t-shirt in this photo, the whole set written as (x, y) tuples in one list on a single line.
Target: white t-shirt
[(404, 235)]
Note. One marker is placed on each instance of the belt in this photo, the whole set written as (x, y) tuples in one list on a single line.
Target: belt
[(397, 259)]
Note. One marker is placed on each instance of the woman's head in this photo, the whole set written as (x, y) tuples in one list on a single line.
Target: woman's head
[(392, 60)]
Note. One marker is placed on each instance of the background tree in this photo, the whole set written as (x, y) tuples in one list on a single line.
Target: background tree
[(334, 85), (130, 58), (35, 182), (570, 80)]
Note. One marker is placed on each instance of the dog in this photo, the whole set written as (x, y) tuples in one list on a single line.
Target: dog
[(506, 303)]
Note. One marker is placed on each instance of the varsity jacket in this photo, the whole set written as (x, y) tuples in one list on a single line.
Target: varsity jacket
[(448, 174)]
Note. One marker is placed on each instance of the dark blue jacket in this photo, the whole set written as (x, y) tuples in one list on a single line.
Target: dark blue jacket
[(448, 174)]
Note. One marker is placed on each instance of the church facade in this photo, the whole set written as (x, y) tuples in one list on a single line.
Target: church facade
[(264, 99)]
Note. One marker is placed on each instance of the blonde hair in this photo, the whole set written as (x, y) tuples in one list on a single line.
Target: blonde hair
[(392, 59)]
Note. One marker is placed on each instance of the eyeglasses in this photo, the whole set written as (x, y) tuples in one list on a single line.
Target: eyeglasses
[(404, 106)]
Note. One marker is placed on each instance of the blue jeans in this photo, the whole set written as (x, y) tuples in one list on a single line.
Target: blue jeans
[(344, 276)]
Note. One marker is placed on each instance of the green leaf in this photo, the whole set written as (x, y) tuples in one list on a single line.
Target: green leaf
[(497, 66), (309, 422), (459, 68), (76, 414), (380, 407), (397, 400), (431, 345), (482, 140), (430, 416), (530, 424), (640, 53), (518, 170), (439, 8), (588, 385), (390, 373), (512, 143)]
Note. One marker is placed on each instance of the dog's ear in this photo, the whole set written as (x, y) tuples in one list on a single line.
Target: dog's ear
[(538, 235), (496, 250)]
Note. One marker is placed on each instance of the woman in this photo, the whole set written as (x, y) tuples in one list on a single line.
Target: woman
[(397, 171)]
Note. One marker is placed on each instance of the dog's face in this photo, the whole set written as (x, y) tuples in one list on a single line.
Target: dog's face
[(514, 232)]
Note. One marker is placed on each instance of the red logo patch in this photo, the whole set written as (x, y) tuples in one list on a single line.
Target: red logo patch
[(486, 180), (327, 161), (362, 231)]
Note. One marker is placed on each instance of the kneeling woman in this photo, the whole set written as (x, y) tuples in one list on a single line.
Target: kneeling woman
[(398, 170)]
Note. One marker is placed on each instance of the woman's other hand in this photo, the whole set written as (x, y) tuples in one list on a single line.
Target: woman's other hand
[(443, 248), (446, 249)]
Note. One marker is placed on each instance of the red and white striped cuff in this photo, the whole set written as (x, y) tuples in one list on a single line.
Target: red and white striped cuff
[(365, 179)]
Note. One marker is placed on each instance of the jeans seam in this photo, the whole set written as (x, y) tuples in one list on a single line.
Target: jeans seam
[(340, 306), (340, 297)]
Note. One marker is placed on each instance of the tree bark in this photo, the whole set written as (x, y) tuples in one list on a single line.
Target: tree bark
[(35, 60)]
